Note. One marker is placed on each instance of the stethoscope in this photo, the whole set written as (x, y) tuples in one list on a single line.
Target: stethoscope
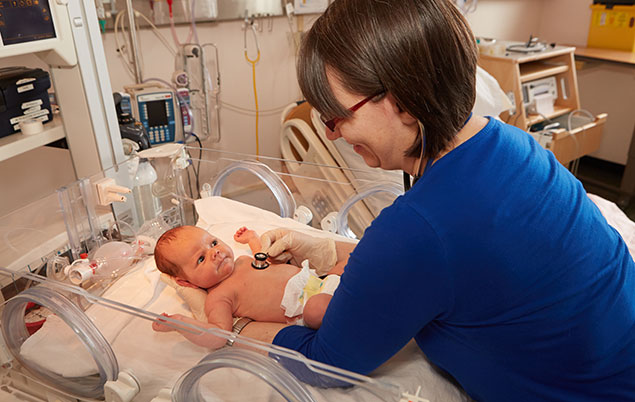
[(409, 181), (260, 261)]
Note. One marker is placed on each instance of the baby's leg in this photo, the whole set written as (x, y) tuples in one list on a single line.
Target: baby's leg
[(338, 269), (314, 310), (248, 236)]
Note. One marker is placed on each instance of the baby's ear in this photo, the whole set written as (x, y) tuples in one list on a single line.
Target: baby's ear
[(185, 283)]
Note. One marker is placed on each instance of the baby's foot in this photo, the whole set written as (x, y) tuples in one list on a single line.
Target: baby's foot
[(244, 235)]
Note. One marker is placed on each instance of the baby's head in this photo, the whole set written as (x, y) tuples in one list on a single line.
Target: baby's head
[(194, 257)]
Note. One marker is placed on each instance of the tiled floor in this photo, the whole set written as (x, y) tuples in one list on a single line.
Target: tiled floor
[(603, 178)]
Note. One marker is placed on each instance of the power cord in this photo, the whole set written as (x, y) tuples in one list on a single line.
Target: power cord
[(197, 171), (575, 164)]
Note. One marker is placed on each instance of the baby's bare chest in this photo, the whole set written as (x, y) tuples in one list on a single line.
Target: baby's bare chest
[(248, 283)]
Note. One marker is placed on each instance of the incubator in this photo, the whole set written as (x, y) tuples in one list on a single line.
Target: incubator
[(94, 339)]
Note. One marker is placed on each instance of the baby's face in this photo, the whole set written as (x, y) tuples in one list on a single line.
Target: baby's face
[(204, 259)]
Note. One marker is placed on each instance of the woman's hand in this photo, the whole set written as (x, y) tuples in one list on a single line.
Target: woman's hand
[(283, 244)]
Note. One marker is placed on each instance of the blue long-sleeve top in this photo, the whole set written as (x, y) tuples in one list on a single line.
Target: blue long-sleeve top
[(504, 272)]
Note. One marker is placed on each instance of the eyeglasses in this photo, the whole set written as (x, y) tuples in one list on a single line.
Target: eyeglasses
[(333, 122)]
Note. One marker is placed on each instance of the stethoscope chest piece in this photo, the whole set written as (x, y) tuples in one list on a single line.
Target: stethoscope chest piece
[(260, 261)]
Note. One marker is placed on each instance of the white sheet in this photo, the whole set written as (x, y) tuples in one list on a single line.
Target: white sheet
[(158, 359)]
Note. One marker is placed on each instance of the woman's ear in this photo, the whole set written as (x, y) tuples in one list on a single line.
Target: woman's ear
[(405, 117)]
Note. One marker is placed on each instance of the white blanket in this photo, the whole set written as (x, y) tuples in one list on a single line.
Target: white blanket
[(158, 359)]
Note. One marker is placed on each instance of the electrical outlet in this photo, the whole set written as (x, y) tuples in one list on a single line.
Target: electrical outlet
[(108, 191)]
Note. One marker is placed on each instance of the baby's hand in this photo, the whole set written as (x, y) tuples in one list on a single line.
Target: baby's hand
[(163, 326), (244, 235)]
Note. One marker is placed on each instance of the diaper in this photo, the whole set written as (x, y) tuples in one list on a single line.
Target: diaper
[(302, 286)]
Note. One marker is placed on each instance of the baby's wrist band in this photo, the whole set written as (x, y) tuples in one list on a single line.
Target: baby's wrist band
[(238, 326)]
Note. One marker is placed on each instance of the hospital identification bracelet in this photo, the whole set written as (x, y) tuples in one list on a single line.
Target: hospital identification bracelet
[(240, 324)]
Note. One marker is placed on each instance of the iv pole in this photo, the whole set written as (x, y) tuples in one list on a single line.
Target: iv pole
[(134, 46)]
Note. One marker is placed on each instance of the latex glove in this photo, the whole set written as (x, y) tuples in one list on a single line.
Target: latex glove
[(283, 244)]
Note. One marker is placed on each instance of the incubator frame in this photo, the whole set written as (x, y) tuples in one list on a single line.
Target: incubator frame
[(87, 225)]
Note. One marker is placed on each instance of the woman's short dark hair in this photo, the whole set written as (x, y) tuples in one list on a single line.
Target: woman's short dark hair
[(421, 51)]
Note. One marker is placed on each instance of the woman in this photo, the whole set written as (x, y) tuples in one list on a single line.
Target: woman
[(496, 261)]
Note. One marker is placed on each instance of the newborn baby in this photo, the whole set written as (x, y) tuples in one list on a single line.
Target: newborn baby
[(280, 293)]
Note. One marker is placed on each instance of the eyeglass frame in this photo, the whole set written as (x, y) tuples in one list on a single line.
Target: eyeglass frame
[(332, 123)]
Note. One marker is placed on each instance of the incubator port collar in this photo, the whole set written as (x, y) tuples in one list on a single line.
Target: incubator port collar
[(81, 273)]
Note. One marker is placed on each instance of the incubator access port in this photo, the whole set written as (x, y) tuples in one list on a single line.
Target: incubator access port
[(15, 335)]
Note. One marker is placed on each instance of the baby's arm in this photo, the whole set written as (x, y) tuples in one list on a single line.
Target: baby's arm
[(219, 316), (197, 337), (219, 310), (248, 236)]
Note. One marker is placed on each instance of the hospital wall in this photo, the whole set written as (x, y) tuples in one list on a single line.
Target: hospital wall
[(275, 72), (275, 77), (26, 175)]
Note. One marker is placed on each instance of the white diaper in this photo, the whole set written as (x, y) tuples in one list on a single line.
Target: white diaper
[(302, 286)]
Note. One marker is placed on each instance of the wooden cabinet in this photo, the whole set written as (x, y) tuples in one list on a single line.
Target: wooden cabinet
[(514, 70)]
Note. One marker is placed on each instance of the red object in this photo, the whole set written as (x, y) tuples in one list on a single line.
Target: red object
[(333, 122), (32, 327), (83, 256)]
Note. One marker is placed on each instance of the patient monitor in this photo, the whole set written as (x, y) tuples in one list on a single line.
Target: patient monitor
[(33, 27)]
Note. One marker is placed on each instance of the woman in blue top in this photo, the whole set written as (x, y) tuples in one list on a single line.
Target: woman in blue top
[(495, 262)]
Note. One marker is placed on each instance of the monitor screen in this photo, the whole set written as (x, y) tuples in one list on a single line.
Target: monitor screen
[(157, 115), (25, 21)]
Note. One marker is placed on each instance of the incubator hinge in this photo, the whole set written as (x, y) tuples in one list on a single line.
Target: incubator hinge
[(329, 222), (124, 389)]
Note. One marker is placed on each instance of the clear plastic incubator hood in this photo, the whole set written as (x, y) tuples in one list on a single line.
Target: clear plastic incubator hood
[(81, 288)]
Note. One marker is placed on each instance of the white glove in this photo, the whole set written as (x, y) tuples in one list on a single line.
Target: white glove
[(283, 244)]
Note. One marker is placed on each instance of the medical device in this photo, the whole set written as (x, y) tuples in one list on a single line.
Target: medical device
[(147, 204), (123, 104), (248, 25), (201, 66), (99, 344), (110, 261), (133, 135), (539, 95), (533, 45), (260, 261), (23, 98), (185, 107), (157, 108), (57, 32), (31, 27)]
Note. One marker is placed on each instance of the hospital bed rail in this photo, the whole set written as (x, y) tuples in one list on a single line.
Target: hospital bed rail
[(313, 193)]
